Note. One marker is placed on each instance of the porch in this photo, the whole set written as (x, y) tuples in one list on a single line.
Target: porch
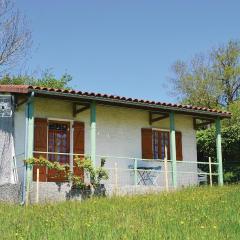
[(138, 171), (128, 176)]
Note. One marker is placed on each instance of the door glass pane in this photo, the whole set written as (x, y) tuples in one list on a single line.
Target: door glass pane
[(155, 144), (163, 142), (58, 142)]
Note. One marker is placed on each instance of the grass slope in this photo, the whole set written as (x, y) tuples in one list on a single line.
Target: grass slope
[(198, 213)]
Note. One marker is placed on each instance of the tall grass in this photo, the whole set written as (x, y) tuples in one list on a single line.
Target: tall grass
[(195, 213)]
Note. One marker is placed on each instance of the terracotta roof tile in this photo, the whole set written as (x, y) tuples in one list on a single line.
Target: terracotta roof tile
[(26, 88)]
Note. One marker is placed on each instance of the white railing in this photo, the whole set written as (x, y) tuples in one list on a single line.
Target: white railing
[(133, 170), (129, 175)]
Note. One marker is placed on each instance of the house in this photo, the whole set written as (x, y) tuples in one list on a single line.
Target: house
[(57, 124)]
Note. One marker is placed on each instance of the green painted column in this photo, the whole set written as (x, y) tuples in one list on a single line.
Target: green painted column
[(93, 132), (29, 139), (219, 151), (30, 116), (173, 150)]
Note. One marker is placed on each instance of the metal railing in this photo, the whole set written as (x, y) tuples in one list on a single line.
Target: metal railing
[(129, 175)]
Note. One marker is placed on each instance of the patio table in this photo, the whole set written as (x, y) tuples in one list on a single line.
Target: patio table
[(146, 175)]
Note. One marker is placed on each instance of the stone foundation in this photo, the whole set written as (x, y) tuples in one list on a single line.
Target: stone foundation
[(112, 190), (51, 192), (57, 192), (10, 193)]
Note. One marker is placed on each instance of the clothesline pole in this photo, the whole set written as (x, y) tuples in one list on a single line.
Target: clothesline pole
[(116, 176)]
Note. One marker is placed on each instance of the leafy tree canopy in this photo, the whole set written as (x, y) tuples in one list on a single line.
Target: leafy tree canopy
[(211, 80), (48, 79), (206, 143), (234, 108)]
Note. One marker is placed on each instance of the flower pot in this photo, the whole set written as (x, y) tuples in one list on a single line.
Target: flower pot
[(100, 190)]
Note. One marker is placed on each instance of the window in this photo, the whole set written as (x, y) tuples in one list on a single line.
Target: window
[(59, 141), (160, 141), (155, 141)]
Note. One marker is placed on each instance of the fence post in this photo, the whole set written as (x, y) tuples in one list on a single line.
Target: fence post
[(116, 176), (210, 170), (135, 172), (37, 187), (166, 169)]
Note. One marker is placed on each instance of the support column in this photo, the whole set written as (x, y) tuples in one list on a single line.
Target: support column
[(173, 150), (29, 143), (71, 146), (219, 151), (30, 126), (93, 132)]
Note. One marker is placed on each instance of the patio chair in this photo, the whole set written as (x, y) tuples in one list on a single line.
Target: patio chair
[(202, 177)]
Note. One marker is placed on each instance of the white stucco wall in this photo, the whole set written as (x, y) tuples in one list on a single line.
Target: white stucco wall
[(118, 134), (19, 139)]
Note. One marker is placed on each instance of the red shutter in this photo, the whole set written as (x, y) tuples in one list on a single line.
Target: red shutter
[(78, 145), (147, 146), (179, 146), (40, 145)]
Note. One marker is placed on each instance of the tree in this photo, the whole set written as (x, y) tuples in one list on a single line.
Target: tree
[(15, 37), (195, 83), (226, 65), (47, 79), (206, 142), (234, 108), (211, 80)]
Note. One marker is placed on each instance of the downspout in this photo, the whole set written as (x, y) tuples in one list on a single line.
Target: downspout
[(30, 99)]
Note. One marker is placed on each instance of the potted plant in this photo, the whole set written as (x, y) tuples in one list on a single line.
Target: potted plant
[(91, 184)]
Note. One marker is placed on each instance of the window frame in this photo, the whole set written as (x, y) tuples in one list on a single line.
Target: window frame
[(146, 146), (168, 150), (52, 174)]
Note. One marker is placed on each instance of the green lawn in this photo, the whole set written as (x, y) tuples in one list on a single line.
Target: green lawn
[(200, 213)]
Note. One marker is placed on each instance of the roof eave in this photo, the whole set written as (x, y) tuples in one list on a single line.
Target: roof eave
[(126, 103)]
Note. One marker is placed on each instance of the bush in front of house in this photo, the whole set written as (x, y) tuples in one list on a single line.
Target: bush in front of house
[(93, 176), (88, 183), (206, 144)]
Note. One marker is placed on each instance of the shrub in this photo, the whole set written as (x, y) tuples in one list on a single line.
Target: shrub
[(206, 144)]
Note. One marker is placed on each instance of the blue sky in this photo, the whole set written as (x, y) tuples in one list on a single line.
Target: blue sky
[(125, 47)]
